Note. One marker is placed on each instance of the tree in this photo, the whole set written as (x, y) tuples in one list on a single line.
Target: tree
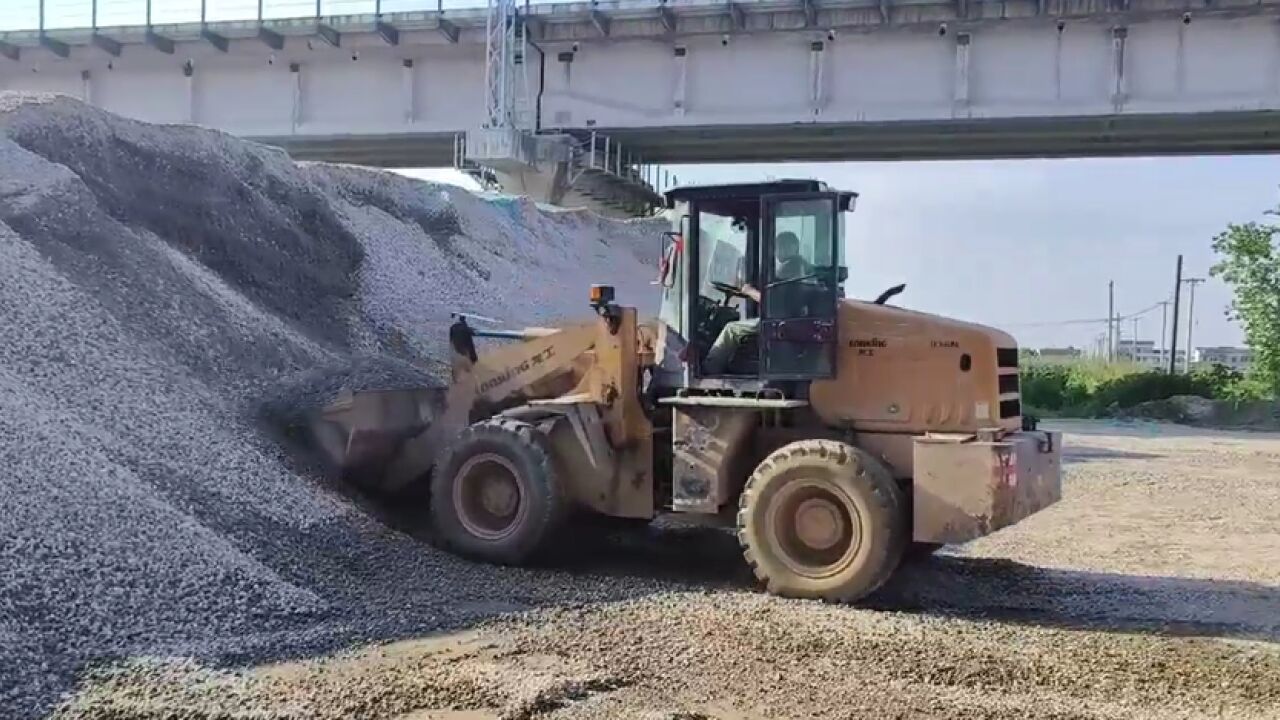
[(1249, 261)]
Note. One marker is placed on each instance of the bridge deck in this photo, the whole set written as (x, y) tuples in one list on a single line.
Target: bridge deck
[(708, 80)]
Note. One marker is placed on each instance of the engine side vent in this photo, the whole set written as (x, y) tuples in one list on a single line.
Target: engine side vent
[(1010, 409), (1008, 383), (1007, 357)]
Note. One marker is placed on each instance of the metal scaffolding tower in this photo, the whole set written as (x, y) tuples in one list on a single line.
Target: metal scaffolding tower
[(506, 78)]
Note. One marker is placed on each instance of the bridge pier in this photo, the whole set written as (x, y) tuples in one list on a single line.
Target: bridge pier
[(524, 163), (561, 169), (548, 185)]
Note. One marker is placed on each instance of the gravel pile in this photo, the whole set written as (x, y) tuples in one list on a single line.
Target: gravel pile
[(1202, 412), (156, 284)]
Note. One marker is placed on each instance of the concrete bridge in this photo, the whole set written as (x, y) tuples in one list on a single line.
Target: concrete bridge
[(590, 98)]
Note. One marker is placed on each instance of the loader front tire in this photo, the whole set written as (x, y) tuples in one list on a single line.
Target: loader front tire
[(822, 519), (495, 496)]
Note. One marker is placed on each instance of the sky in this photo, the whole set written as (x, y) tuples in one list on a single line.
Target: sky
[(1025, 245)]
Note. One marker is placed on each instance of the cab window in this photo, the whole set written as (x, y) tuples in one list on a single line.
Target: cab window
[(802, 269), (722, 249)]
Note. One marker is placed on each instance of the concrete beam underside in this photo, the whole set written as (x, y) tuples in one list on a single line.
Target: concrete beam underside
[(1102, 136)]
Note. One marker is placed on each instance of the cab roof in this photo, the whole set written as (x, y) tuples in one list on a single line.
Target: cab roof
[(748, 190)]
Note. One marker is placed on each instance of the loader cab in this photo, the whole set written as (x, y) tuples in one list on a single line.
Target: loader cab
[(784, 240)]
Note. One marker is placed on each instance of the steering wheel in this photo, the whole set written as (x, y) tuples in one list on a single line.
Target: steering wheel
[(729, 291)]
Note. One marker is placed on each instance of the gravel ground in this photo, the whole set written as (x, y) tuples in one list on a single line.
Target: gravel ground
[(1151, 591), (157, 286)]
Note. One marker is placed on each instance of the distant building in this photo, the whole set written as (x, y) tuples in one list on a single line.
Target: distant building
[(1145, 352), (1236, 358), (1066, 352)]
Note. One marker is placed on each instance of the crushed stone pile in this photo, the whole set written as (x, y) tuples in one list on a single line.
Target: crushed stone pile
[(155, 282), (1203, 412)]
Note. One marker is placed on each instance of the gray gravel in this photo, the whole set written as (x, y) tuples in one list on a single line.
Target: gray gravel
[(1152, 591), (157, 284)]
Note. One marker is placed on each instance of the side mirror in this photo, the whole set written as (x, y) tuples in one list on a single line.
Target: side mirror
[(672, 247), (842, 274)]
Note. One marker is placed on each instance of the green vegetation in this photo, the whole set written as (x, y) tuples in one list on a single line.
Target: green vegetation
[(1091, 388), (1249, 261)]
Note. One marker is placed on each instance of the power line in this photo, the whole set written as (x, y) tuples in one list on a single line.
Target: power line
[(1141, 312), (1084, 321), (1046, 323)]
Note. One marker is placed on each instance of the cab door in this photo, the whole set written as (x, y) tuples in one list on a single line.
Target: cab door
[(799, 265)]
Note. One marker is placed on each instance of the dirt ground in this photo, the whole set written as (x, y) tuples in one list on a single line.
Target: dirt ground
[(1151, 591)]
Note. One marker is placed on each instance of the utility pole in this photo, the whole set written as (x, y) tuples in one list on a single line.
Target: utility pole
[(1164, 322), (1119, 340), (1173, 339), (1191, 316), (1111, 318)]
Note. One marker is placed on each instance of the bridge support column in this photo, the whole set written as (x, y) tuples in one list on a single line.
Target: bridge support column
[(545, 185), (526, 164), (561, 170)]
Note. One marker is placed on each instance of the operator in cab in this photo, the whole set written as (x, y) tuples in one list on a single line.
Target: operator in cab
[(790, 265)]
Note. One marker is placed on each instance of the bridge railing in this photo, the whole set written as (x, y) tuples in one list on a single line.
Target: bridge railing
[(601, 153), (19, 15)]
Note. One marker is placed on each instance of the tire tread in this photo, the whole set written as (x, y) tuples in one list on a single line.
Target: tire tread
[(883, 490), (525, 439)]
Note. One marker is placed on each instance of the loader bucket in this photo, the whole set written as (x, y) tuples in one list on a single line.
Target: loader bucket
[(362, 433)]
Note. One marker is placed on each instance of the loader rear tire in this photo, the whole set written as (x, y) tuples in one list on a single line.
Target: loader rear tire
[(822, 519), (495, 496)]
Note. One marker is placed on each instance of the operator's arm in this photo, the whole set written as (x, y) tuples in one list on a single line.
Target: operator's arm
[(750, 291)]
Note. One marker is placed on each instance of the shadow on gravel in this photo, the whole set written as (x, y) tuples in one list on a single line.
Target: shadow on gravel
[(1149, 430), (993, 589), (1083, 453), (1008, 591), (665, 550), (675, 557), (703, 556)]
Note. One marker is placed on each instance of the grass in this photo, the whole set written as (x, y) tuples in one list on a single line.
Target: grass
[(1053, 387)]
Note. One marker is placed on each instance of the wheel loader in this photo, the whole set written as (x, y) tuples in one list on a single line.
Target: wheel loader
[(837, 436)]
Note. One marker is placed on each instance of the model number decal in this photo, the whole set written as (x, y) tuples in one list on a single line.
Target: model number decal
[(516, 371), (867, 346)]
